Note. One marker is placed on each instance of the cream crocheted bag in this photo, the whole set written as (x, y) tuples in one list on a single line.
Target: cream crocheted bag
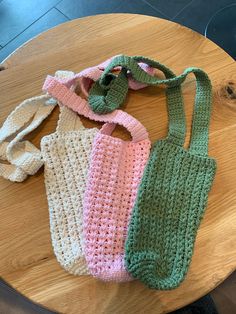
[(66, 158), (65, 155)]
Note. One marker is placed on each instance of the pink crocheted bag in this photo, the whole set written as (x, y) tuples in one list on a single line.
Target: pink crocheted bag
[(116, 168)]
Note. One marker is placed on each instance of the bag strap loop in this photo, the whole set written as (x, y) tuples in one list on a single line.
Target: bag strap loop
[(177, 123), (24, 158), (70, 99)]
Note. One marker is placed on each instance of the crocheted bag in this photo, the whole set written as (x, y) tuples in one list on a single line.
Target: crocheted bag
[(66, 159), (116, 168), (64, 197), (65, 155), (173, 193)]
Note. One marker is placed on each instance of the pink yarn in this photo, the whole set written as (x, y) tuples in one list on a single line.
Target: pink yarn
[(89, 75), (116, 168)]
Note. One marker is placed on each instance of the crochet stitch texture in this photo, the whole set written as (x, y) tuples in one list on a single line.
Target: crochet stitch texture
[(111, 96), (23, 157), (115, 172), (116, 166), (66, 160), (173, 193), (109, 91), (66, 155)]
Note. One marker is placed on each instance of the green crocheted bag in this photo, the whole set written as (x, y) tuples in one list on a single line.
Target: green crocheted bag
[(173, 193)]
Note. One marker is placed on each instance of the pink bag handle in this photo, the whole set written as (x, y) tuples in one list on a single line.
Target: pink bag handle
[(70, 99), (89, 75)]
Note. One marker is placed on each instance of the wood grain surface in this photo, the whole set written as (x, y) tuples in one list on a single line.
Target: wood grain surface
[(27, 261)]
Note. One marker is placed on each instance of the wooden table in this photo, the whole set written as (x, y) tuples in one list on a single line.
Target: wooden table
[(26, 257)]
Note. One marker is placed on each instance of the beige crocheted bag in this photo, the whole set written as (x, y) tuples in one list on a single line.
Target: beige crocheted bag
[(65, 155)]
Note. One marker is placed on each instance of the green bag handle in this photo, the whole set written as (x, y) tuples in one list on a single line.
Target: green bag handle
[(110, 84), (107, 98)]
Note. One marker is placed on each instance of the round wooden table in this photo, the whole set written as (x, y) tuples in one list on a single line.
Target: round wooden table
[(27, 261)]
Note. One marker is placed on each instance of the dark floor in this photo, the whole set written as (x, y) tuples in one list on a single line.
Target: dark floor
[(22, 20)]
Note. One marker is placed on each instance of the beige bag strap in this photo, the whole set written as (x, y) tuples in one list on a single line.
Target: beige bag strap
[(68, 120), (22, 156)]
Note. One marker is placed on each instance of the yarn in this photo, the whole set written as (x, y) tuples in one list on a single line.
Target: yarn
[(102, 101), (171, 199), (173, 193), (109, 92), (66, 160), (65, 155), (116, 168), (23, 157), (87, 77)]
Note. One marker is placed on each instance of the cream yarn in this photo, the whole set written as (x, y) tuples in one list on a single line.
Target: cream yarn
[(66, 158), (22, 157), (65, 155)]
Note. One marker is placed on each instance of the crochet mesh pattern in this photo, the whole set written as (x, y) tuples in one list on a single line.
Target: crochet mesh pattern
[(173, 193), (66, 155), (170, 204), (122, 167), (116, 169), (66, 160)]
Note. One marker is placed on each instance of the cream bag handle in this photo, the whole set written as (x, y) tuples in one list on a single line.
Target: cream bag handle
[(22, 156)]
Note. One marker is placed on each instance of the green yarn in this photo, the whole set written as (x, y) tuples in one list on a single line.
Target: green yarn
[(109, 92), (115, 88), (107, 98), (168, 210), (130, 64), (173, 193)]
